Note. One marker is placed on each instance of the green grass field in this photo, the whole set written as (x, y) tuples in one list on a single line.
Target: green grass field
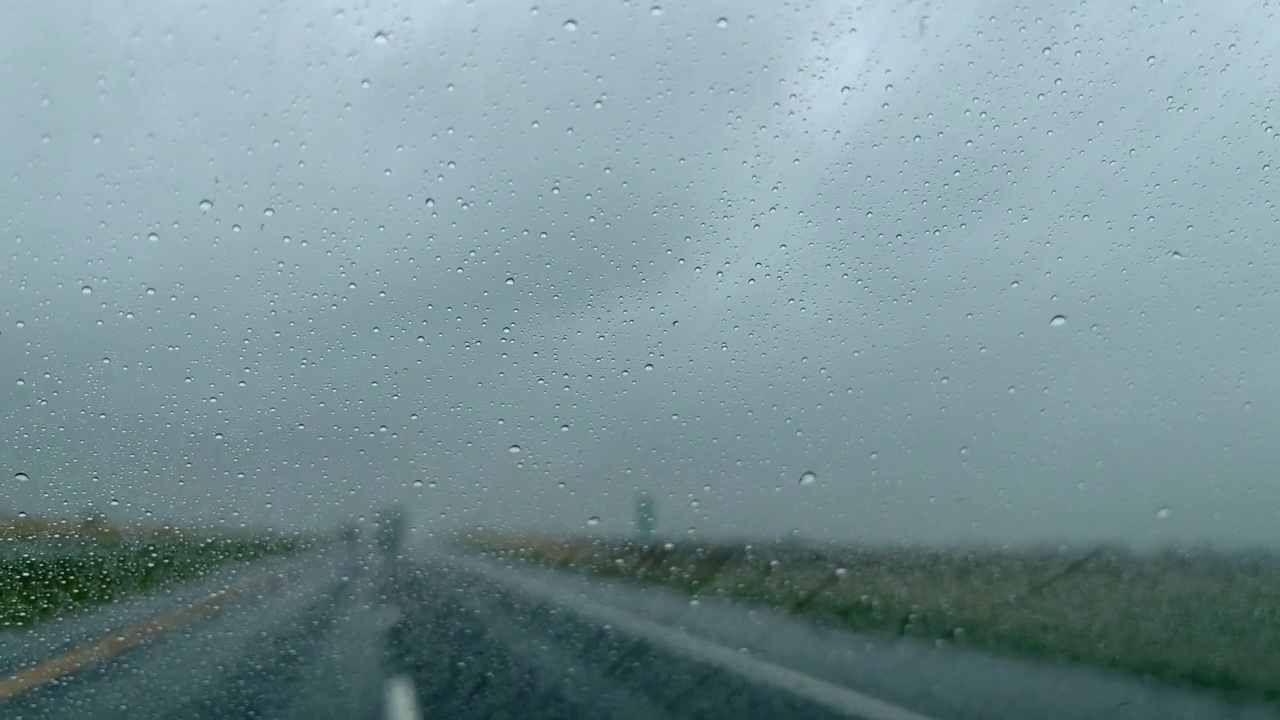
[(42, 579), (1209, 621)]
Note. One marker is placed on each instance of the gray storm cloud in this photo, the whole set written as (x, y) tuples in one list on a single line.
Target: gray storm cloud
[(509, 266)]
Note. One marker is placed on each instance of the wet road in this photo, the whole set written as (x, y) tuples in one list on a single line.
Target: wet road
[(345, 635)]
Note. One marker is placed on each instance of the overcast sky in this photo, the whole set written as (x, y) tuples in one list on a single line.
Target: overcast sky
[(993, 273)]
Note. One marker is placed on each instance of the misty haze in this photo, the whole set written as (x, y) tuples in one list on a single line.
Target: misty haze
[(993, 275), (896, 359)]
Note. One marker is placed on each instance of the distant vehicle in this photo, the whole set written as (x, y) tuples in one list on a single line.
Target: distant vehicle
[(350, 533), (389, 531)]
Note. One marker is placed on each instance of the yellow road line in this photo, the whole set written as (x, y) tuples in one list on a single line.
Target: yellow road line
[(114, 643)]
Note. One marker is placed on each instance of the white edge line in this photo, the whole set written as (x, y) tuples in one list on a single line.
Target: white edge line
[(829, 695), (401, 700)]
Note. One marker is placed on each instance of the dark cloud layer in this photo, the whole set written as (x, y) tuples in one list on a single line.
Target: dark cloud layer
[(510, 266)]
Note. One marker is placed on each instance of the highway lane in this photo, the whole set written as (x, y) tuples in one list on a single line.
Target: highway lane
[(346, 634), (268, 653), (526, 657)]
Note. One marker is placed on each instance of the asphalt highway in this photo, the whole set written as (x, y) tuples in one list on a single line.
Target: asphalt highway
[(348, 634)]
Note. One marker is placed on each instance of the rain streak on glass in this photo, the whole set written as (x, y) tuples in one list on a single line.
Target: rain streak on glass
[(952, 324)]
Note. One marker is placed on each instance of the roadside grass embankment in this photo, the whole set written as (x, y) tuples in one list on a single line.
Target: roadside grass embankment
[(46, 577), (1211, 621)]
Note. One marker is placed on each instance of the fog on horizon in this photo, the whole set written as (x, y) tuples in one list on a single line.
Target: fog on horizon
[(991, 273)]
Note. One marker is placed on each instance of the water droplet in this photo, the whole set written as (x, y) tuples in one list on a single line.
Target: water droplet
[(511, 281), (655, 11), (417, 483), (86, 290), (206, 205), (1058, 321), (514, 449), (269, 211), (1162, 513), (964, 450), (570, 25), (380, 38), (648, 367), (21, 477), (153, 237), (593, 520), (21, 382), (809, 477), (722, 22)]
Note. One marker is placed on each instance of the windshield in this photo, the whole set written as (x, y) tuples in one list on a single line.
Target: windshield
[(574, 359)]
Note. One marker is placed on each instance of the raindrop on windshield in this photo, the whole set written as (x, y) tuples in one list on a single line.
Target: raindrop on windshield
[(1058, 321), (809, 477), (21, 477)]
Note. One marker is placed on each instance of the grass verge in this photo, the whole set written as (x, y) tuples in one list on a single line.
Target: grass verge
[(1209, 621), (39, 580)]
